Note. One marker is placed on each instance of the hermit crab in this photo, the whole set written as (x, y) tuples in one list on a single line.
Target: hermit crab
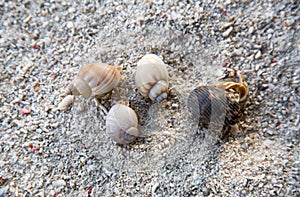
[(218, 106), (151, 77), (93, 80), (122, 124)]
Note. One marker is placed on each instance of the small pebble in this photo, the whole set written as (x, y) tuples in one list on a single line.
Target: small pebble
[(258, 54), (70, 25), (289, 22), (227, 32), (251, 30), (59, 183)]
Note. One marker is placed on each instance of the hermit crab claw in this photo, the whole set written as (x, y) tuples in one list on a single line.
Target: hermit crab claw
[(234, 81), (240, 88)]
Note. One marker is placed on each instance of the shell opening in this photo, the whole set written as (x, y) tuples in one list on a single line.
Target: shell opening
[(122, 137), (133, 131), (159, 91), (161, 97)]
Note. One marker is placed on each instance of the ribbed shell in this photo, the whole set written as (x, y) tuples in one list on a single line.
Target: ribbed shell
[(122, 124), (151, 77), (213, 107), (96, 79)]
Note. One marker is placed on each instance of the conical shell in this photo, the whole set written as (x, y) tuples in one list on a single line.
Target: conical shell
[(151, 77), (96, 79), (122, 124)]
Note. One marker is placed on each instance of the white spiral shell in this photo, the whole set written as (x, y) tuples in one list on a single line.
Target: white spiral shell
[(151, 77), (122, 124), (95, 79)]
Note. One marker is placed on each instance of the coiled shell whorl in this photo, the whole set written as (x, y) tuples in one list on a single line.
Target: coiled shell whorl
[(96, 79), (151, 77), (122, 124)]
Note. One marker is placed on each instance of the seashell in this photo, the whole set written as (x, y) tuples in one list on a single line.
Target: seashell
[(213, 107), (96, 79), (219, 105), (66, 102), (122, 124), (151, 77)]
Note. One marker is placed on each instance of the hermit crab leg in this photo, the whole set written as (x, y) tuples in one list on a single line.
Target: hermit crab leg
[(241, 79), (98, 104)]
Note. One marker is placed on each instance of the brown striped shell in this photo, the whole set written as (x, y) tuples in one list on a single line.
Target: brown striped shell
[(213, 107), (151, 77), (96, 79), (219, 106), (122, 124)]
